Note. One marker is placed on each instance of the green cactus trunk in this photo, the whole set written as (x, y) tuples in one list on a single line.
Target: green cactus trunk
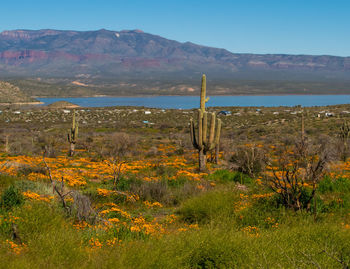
[(72, 149), (202, 142), (72, 136), (202, 160)]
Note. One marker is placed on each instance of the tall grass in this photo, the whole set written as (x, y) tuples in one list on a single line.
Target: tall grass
[(221, 239)]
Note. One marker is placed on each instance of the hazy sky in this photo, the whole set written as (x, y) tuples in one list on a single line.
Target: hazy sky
[(251, 26)]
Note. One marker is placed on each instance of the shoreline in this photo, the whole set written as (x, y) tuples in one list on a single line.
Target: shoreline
[(22, 103)]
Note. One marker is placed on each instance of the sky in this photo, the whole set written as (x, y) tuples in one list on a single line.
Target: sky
[(247, 26)]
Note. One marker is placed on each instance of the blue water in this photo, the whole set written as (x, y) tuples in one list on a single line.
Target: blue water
[(187, 102)]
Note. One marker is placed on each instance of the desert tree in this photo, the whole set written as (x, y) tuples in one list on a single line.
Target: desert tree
[(294, 172), (116, 153), (58, 187), (249, 159), (81, 206)]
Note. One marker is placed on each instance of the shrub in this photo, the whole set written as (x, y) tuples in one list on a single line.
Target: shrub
[(330, 185), (249, 159), (207, 207), (179, 182), (295, 172), (123, 184), (10, 198), (333, 195), (153, 190), (163, 170), (210, 253), (26, 170), (224, 176), (6, 180)]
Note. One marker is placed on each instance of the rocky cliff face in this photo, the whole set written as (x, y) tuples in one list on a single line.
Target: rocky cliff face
[(124, 53)]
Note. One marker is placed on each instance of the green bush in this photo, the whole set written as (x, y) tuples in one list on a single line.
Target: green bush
[(210, 253), (207, 207), (178, 182), (224, 176), (11, 197), (154, 191), (6, 181), (123, 184), (334, 185), (249, 160)]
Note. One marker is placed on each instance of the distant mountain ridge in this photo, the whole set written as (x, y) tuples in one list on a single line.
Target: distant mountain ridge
[(133, 53)]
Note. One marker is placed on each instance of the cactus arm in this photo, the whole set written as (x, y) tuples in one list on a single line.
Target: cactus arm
[(205, 127), (216, 141), (203, 93), (193, 135), (73, 121), (212, 132), (200, 129), (218, 132), (76, 130)]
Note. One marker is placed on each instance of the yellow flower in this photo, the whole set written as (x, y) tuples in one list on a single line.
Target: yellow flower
[(151, 205), (34, 196), (16, 248)]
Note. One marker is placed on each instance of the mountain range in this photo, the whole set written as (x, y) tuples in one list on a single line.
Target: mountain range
[(103, 57)]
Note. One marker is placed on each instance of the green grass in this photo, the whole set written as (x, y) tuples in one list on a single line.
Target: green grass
[(223, 176), (216, 218), (208, 207), (6, 181), (220, 241), (287, 247), (301, 243)]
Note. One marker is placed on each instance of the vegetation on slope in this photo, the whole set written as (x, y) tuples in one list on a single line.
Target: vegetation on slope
[(159, 211), (12, 94), (64, 87)]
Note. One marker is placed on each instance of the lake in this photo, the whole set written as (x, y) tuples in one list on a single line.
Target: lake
[(188, 102)]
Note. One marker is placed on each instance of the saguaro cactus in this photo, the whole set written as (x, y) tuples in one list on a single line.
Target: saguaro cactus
[(202, 142), (73, 135)]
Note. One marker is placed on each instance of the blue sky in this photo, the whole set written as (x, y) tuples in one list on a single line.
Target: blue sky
[(247, 26)]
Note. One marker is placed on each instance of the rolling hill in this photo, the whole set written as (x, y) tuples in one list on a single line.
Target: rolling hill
[(10, 94)]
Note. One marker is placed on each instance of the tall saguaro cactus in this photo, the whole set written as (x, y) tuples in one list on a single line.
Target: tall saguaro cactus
[(202, 142), (73, 135)]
